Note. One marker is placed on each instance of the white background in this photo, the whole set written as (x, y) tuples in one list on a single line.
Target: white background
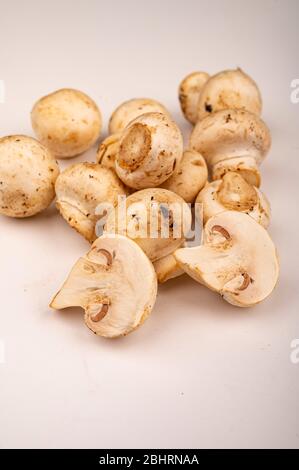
[(199, 373)]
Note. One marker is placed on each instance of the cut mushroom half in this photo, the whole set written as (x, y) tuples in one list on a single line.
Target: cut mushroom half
[(237, 259), (115, 284), (234, 193)]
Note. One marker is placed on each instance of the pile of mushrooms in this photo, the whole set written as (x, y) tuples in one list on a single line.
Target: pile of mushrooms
[(136, 203)]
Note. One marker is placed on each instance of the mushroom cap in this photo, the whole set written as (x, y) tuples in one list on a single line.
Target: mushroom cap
[(130, 110), (28, 172), (189, 177), (155, 218), (67, 121), (150, 148), (189, 92), (237, 259), (107, 151), (230, 89), (115, 284), (80, 188), (234, 193), (167, 268)]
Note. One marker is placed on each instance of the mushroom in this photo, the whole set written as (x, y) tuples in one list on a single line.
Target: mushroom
[(189, 92), (234, 193), (107, 151), (167, 268), (150, 148), (232, 140), (157, 219), (189, 177), (67, 121), (130, 110), (80, 188), (28, 172), (115, 284), (237, 259)]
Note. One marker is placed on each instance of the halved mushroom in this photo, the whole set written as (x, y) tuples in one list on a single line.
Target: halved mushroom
[(189, 92), (157, 219), (80, 188), (234, 193), (232, 140), (150, 148), (130, 110), (189, 177), (237, 259), (167, 268), (116, 285)]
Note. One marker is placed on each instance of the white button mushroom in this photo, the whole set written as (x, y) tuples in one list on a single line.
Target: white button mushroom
[(167, 268), (28, 172), (156, 219), (80, 188), (67, 121), (232, 140), (189, 92), (189, 177), (237, 259), (234, 193), (149, 150), (107, 151), (130, 110), (116, 285)]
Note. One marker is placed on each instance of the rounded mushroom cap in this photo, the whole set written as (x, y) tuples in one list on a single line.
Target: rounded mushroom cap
[(80, 189), (189, 177), (189, 92), (231, 134), (107, 151), (234, 193), (116, 285), (237, 259), (149, 150), (230, 89), (130, 110), (67, 121), (155, 218), (28, 172)]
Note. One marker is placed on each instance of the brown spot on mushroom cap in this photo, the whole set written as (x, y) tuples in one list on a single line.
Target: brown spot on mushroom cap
[(134, 147)]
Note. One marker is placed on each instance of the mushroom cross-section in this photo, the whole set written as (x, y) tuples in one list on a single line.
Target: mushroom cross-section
[(237, 259), (115, 284)]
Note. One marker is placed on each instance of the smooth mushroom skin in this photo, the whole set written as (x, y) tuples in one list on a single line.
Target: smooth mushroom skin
[(130, 110), (237, 259), (150, 148), (167, 268), (156, 219), (230, 89), (189, 92), (28, 172), (234, 193), (189, 177), (116, 296), (232, 140), (67, 121), (80, 188)]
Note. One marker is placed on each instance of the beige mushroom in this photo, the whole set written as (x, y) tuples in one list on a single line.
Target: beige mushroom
[(150, 148), (230, 89), (189, 92), (115, 284), (130, 110), (157, 219), (234, 193), (167, 268), (28, 172), (107, 151), (237, 259), (232, 140), (67, 121), (80, 189), (189, 177)]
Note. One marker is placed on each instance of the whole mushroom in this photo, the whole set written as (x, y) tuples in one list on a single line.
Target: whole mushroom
[(189, 92), (80, 189), (234, 193), (232, 140), (237, 259), (167, 268), (67, 121), (28, 172), (116, 285)]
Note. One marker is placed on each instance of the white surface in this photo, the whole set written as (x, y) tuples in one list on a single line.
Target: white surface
[(199, 373)]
